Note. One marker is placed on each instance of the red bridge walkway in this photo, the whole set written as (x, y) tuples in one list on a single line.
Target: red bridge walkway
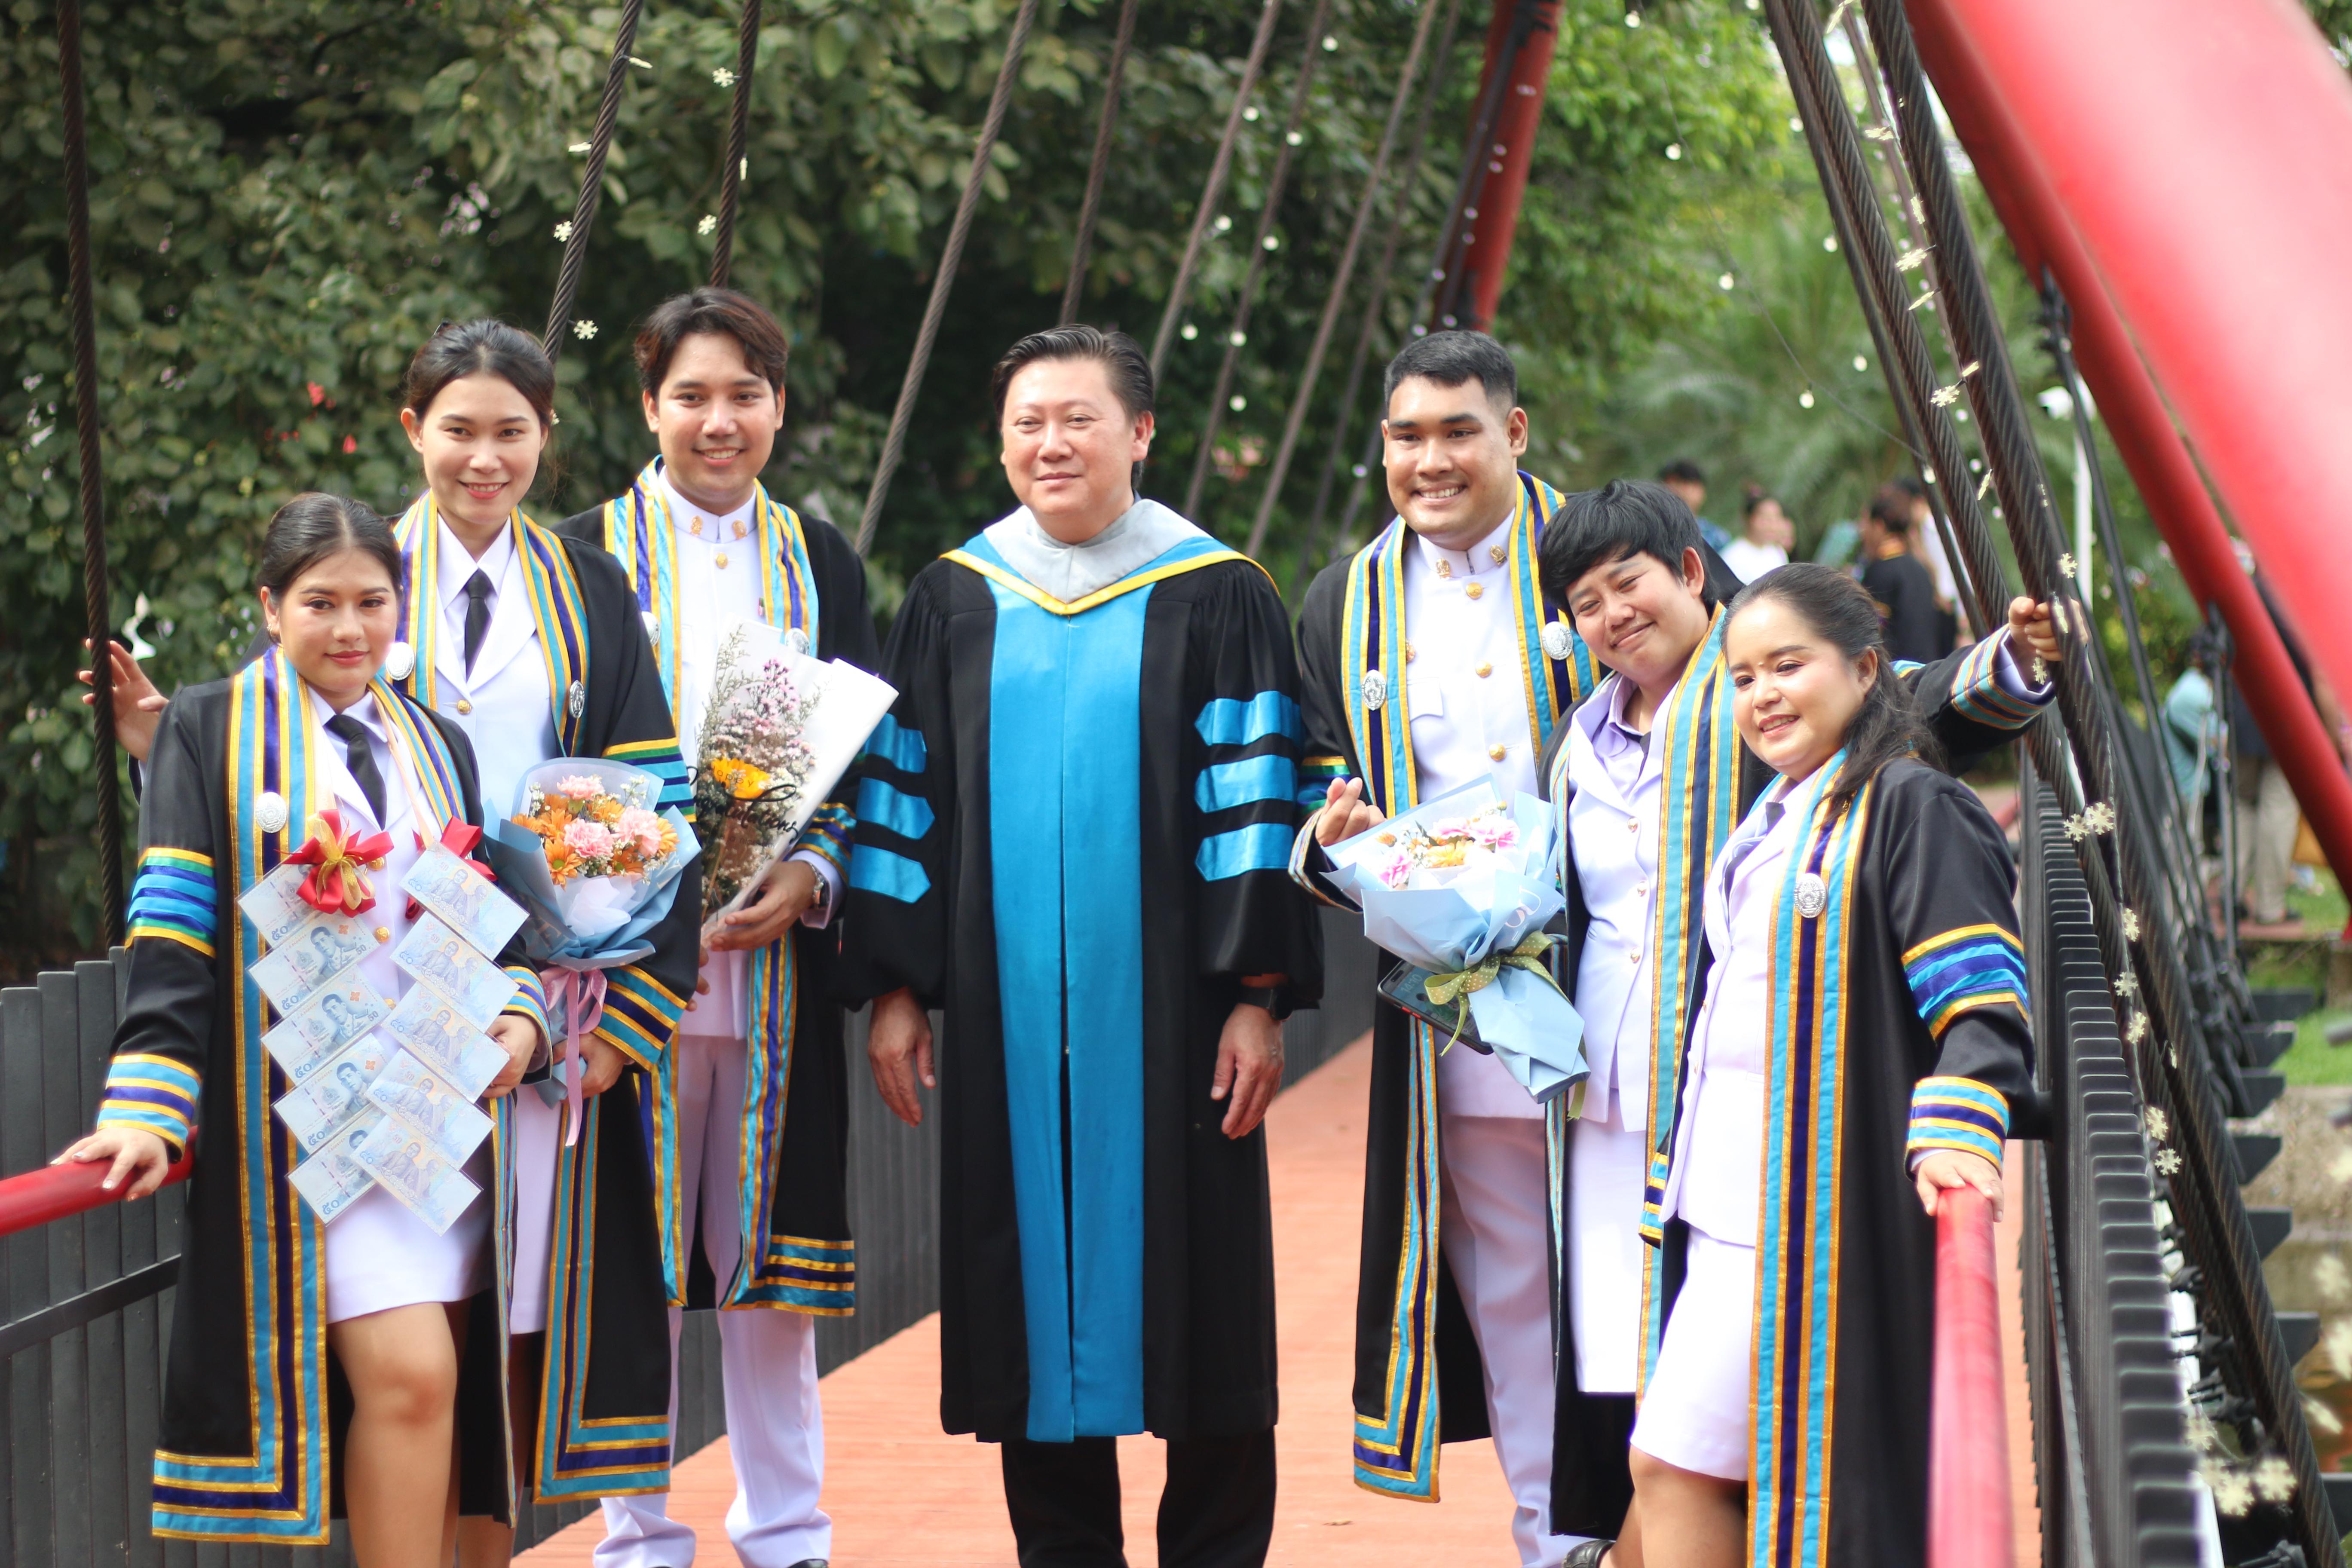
[(904, 1495)]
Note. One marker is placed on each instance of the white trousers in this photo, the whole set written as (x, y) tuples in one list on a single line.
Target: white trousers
[(1606, 1164), (775, 1424), (1493, 1226)]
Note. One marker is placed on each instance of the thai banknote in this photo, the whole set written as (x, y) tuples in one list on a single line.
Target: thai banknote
[(407, 1088), (313, 956), (337, 1016), (331, 1179), (424, 1181), (448, 962), (314, 1108), (274, 906), (464, 898), (427, 1025)]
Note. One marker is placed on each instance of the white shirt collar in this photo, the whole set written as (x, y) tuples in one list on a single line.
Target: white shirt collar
[(457, 564), (684, 513), (1479, 559)]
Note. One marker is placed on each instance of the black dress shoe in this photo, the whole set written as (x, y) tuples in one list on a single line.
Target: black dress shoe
[(819, 1563), (1587, 1554)]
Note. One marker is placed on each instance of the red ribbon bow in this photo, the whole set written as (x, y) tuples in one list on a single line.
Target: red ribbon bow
[(336, 859), (458, 839)]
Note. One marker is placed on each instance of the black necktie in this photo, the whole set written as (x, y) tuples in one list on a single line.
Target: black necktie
[(362, 758), (477, 616)]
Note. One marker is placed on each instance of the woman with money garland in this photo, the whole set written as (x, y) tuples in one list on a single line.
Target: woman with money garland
[(532, 645), (279, 1310), (1863, 1021)]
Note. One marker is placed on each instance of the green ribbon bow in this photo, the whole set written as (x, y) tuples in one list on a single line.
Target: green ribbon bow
[(1457, 985)]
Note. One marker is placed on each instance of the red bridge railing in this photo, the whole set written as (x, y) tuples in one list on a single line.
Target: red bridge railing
[(55, 1192), (1969, 1521)]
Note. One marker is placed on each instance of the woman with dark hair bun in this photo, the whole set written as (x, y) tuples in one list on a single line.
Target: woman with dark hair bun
[(531, 645), (1862, 1042), (271, 1296)]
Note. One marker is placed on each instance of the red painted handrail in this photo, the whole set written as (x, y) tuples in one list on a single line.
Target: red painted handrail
[(1968, 1461), (54, 1191)]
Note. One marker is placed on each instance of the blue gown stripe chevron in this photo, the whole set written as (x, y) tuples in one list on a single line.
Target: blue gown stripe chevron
[(885, 804), (1230, 721), (1976, 966), (898, 745), (1956, 1113), (154, 1093)]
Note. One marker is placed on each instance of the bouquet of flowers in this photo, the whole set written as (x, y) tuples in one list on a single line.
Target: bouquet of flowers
[(778, 730), (595, 868), (1459, 889)]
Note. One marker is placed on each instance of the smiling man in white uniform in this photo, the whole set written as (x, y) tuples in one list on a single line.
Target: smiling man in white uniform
[(759, 1053)]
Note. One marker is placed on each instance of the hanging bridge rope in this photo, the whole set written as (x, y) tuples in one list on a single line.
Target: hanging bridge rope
[(1214, 189), (1075, 288), (592, 182), (739, 135), (1376, 299), (1237, 333), (1338, 295), (894, 446), (82, 305)]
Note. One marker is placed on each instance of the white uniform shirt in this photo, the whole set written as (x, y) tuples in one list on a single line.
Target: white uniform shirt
[(719, 579), (1613, 820), (504, 705), (1465, 697), (1750, 559), (1717, 1172)]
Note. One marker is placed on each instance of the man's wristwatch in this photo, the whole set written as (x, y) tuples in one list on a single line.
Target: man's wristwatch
[(1274, 999), (824, 899)]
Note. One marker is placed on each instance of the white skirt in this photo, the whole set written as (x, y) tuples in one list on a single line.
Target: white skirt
[(379, 1255), (1694, 1414), (538, 1133)]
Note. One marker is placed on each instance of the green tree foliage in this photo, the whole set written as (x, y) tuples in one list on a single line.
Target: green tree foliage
[(287, 196)]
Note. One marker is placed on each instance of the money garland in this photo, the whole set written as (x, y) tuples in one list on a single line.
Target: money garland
[(383, 1094)]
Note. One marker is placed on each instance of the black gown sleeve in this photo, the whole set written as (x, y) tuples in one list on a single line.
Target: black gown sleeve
[(895, 933), (177, 923), (1952, 917), (1966, 706), (642, 1000), (1327, 750), (1246, 787)]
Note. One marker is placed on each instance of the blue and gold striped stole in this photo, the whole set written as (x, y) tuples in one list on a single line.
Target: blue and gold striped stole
[(638, 531)]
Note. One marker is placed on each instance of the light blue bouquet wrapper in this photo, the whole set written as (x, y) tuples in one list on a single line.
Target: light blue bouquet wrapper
[(589, 922), (1520, 1017)]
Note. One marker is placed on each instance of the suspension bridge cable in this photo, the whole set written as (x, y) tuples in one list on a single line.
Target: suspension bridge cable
[(1338, 295), (1260, 243), (1214, 189), (81, 303), (1076, 288), (894, 446), (1376, 296), (1478, 160), (592, 182), (739, 132)]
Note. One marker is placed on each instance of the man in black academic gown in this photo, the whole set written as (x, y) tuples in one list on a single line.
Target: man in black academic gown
[(1071, 839), (755, 1211)]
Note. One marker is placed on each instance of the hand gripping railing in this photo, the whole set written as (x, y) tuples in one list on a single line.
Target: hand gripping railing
[(60, 1192), (1967, 1458)]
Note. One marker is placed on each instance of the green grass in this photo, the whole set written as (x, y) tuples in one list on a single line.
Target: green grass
[(2312, 1062)]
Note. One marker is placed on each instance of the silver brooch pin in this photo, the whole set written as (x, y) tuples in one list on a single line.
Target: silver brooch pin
[(1375, 691), (653, 623), (796, 641), (575, 701), (399, 661), (1558, 642), (1812, 895), (269, 811)]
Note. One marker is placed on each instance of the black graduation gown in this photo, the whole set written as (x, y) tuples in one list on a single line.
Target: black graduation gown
[(795, 1186), (1899, 1027), (602, 1426), (1093, 802), (1419, 1378), (253, 1405)]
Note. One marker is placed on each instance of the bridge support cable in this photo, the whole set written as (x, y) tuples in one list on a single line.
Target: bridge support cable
[(592, 182), (1213, 190), (1376, 295), (1345, 274), (1440, 284), (1260, 243), (894, 446), (1511, 143), (739, 136), (2177, 1071), (1074, 290), (97, 618)]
